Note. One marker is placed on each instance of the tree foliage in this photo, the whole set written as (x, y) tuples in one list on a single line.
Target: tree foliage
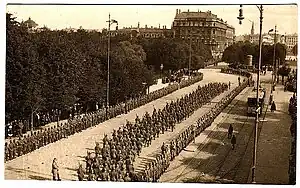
[(237, 53), (55, 69), (174, 53), (48, 70)]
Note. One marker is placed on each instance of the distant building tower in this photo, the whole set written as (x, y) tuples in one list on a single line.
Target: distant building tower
[(252, 29)]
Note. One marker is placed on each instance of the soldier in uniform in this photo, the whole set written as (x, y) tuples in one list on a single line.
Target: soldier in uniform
[(230, 131), (55, 170), (163, 149), (105, 175), (88, 163), (233, 142), (127, 178), (172, 150), (97, 149), (80, 173)]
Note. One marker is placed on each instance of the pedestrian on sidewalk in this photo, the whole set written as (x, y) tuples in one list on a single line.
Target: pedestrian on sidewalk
[(80, 173), (233, 141), (239, 79), (271, 99), (230, 131), (55, 170), (273, 107), (229, 84)]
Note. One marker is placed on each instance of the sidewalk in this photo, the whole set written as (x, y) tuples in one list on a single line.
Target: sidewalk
[(274, 143)]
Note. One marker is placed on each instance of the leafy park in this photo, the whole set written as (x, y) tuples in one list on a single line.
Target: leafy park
[(50, 70)]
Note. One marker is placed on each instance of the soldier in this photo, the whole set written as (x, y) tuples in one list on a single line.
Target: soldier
[(97, 149), (163, 149), (230, 131), (233, 141), (105, 175), (80, 173), (113, 174), (127, 178), (6, 155), (88, 163), (55, 170), (20, 147)]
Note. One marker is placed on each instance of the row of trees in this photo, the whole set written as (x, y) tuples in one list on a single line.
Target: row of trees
[(49, 70), (237, 53)]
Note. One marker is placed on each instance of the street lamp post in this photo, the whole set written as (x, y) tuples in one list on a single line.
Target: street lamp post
[(274, 61), (260, 8), (110, 22), (190, 56), (161, 70)]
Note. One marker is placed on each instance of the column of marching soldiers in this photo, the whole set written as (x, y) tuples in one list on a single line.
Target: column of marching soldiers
[(114, 160), (28, 143)]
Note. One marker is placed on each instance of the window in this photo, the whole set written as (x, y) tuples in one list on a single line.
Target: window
[(214, 32)]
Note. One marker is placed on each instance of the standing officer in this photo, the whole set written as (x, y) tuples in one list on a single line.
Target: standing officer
[(55, 170)]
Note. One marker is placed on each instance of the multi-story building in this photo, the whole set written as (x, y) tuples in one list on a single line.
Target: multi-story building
[(290, 41), (205, 27), (146, 32)]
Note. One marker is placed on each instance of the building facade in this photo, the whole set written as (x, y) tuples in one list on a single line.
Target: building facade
[(205, 27), (290, 41), (146, 32)]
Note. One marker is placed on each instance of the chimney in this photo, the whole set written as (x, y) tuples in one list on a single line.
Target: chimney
[(138, 24), (158, 26), (146, 26), (188, 10), (198, 10), (176, 11), (179, 11), (151, 27)]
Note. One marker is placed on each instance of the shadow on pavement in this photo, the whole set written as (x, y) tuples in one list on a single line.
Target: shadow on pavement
[(38, 178)]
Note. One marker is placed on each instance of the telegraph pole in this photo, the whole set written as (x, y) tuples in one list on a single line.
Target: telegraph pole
[(274, 64), (110, 22), (108, 71), (241, 17), (257, 97), (190, 57)]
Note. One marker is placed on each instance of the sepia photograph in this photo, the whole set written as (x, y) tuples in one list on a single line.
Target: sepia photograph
[(154, 93)]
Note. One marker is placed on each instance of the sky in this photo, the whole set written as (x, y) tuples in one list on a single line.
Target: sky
[(95, 16)]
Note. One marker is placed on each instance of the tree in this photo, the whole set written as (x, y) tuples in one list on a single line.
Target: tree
[(237, 53), (29, 23)]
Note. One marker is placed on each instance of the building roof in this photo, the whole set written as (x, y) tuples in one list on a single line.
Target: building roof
[(184, 15), (199, 14)]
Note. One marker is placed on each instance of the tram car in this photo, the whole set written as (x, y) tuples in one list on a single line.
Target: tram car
[(252, 101)]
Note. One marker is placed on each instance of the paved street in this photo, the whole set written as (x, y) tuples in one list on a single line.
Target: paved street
[(37, 165), (155, 146), (211, 157)]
